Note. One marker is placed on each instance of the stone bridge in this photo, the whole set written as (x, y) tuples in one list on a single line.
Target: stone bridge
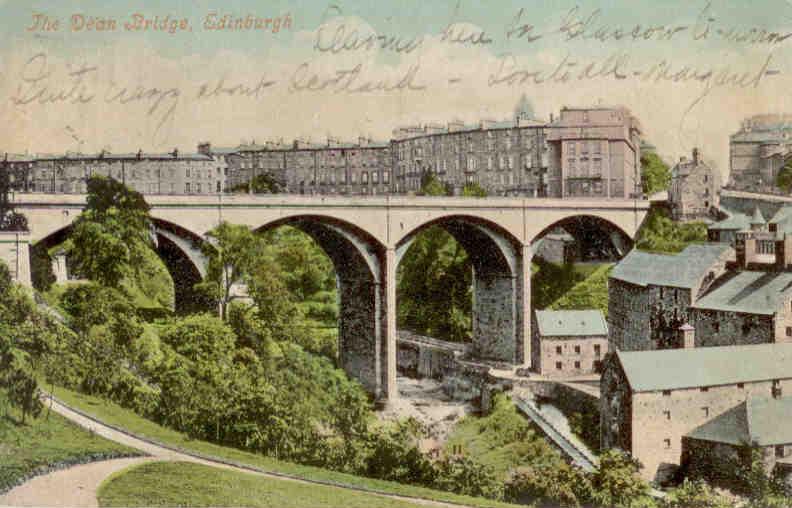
[(366, 237)]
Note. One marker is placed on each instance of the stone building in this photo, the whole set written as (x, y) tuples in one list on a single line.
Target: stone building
[(649, 295), (568, 343), (758, 151), (694, 188), (20, 169), (651, 399), (724, 440), (586, 152), (306, 168), (169, 173)]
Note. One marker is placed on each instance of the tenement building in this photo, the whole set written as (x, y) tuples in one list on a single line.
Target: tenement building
[(758, 151), (586, 152), (652, 400), (694, 189), (168, 173), (568, 342), (650, 295)]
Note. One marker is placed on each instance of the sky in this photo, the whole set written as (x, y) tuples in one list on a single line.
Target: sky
[(690, 71)]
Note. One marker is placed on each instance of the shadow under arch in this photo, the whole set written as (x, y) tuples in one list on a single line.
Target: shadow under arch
[(359, 263), (499, 288), (596, 238)]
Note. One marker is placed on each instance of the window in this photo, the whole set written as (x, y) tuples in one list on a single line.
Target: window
[(558, 350), (666, 393), (661, 292), (666, 443), (558, 365), (597, 350), (779, 451), (385, 176), (217, 189), (667, 414), (789, 331), (716, 327), (577, 365), (374, 177), (577, 349), (187, 188), (740, 386), (198, 187), (187, 172), (705, 388)]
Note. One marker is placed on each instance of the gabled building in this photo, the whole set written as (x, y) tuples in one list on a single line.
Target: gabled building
[(650, 400), (568, 342), (694, 188), (649, 294)]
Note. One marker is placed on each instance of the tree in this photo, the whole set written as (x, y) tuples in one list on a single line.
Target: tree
[(549, 485), (232, 251), (473, 190), (694, 494), (431, 186), (616, 483), (110, 236), (464, 475), (261, 184), (9, 219), (655, 175), (784, 178)]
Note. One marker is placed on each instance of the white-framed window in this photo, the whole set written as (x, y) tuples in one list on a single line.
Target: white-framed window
[(386, 177), (374, 177)]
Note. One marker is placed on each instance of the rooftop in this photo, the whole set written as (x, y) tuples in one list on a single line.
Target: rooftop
[(750, 292), (735, 221), (683, 270), (554, 323), (756, 420), (674, 369)]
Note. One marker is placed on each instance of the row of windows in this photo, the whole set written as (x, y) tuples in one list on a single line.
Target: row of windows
[(342, 179), (775, 388), (587, 146), (597, 350)]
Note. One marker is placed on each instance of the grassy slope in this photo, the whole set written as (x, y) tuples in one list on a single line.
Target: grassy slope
[(45, 441), (502, 440), (591, 293), (118, 416), (551, 283), (187, 484)]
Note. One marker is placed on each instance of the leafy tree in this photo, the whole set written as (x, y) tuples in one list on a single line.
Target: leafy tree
[(659, 233), (694, 494), (464, 475), (431, 186), (655, 175), (232, 251), (261, 184), (750, 477), (784, 177), (110, 237), (10, 220), (395, 456), (616, 483), (474, 190), (549, 485)]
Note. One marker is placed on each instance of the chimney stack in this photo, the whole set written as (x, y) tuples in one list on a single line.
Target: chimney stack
[(687, 336), (696, 156)]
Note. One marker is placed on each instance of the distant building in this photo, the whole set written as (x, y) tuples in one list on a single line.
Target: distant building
[(758, 151), (568, 342), (694, 188), (556, 247), (649, 295), (651, 400)]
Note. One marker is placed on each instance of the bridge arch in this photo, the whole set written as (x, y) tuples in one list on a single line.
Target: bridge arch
[(596, 237), (361, 280), (500, 291)]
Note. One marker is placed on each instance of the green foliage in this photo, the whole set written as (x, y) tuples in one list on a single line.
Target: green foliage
[(473, 190), (750, 477), (503, 440), (557, 485), (784, 177), (694, 494), (431, 186), (41, 268), (655, 175), (395, 456), (262, 184), (616, 482), (591, 293), (112, 234), (434, 287), (659, 233), (232, 253), (586, 426), (465, 475)]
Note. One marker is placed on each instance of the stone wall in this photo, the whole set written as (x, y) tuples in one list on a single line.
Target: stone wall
[(568, 356), (660, 419), (615, 407), (628, 317), (719, 328), (494, 324)]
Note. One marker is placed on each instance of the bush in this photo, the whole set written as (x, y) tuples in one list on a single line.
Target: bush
[(464, 475)]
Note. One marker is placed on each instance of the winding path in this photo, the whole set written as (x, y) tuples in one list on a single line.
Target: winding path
[(77, 486)]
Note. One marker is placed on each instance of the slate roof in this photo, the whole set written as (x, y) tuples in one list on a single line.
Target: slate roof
[(757, 217), (673, 369), (554, 323), (682, 270), (760, 420), (751, 292), (736, 221)]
